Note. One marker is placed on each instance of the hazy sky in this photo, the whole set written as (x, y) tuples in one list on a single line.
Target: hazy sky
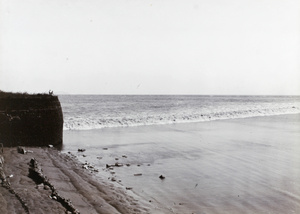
[(150, 46)]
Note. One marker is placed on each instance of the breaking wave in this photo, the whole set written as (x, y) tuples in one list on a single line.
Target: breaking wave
[(95, 112)]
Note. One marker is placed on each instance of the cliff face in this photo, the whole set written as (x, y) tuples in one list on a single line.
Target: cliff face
[(30, 120)]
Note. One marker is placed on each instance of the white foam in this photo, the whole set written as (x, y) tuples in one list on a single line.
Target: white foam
[(98, 121)]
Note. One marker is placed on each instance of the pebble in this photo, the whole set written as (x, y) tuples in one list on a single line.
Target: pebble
[(40, 186), (162, 177)]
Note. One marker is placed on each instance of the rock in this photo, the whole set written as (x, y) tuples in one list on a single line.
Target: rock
[(21, 150), (138, 174), (31, 119), (40, 186), (105, 148), (81, 150), (1, 161), (113, 179), (118, 164), (129, 188), (162, 177), (124, 156), (50, 146)]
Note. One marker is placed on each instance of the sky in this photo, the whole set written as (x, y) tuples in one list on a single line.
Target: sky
[(233, 47)]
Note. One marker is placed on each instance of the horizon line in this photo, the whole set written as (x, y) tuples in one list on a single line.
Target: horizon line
[(94, 94)]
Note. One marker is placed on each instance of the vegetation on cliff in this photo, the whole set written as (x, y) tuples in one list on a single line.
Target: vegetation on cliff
[(4, 94)]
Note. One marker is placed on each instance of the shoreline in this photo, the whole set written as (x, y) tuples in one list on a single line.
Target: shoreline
[(207, 166), (228, 166)]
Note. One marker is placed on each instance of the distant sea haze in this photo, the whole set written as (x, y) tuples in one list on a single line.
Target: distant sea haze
[(83, 112)]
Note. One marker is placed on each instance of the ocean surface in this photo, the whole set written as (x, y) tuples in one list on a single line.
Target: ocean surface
[(228, 166), (84, 112)]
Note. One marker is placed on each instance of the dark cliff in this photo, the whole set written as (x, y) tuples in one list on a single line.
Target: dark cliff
[(30, 120)]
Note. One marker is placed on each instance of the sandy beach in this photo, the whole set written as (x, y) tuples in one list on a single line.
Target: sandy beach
[(87, 193), (249, 165)]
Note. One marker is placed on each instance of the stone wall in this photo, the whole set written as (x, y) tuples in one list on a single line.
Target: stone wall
[(30, 120)]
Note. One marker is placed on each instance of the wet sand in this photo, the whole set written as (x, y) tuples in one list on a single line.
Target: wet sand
[(87, 193), (249, 165), (232, 166)]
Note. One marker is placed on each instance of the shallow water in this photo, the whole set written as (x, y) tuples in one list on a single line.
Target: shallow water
[(230, 166)]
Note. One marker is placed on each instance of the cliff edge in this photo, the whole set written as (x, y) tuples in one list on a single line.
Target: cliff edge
[(30, 119)]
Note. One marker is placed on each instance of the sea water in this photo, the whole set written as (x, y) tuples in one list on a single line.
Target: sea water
[(84, 112), (209, 167)]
